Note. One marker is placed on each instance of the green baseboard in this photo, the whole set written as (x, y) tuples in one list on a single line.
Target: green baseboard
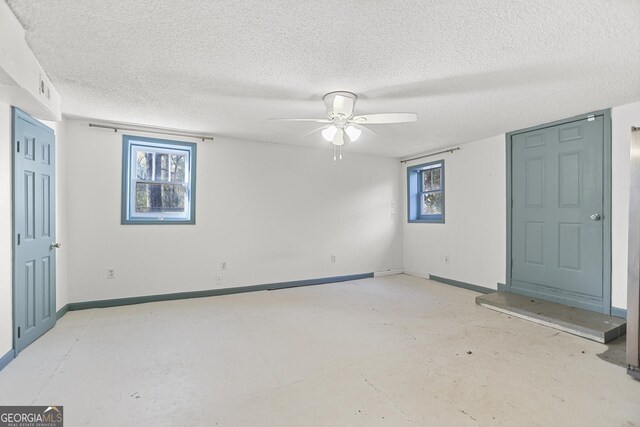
[(619, 312), (8, 357), (62, 311), (460, 284), (206, 293)]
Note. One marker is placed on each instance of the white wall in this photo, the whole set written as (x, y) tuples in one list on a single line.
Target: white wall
[(474, 231), (474, 234), (272, 212), (21, 75), (622, 118), (6, 304)]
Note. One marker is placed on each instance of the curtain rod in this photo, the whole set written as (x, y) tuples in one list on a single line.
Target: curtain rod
[(450, 150), (635, 129), (152, 130)]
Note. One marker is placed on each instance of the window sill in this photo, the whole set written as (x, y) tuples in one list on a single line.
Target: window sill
[(158, 222), (427, 221)]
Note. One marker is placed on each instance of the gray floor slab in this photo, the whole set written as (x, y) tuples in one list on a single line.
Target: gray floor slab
[(587, 324), (380, 352)]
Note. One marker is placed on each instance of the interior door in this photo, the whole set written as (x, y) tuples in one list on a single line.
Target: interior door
[(557, 214), (34, 264)]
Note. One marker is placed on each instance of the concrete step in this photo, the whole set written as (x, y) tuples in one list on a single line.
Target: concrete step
[(587, 324)]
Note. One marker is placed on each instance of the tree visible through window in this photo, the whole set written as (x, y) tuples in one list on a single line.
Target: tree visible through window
[(160, 180), (425, 184), (431, 203)]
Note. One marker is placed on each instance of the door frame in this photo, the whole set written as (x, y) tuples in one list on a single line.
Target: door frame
[(17, 113), (606, 202)]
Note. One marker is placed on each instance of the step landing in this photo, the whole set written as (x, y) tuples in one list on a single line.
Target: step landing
[(587, 324)]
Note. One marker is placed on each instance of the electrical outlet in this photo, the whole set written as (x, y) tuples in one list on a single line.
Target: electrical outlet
[(111, 273), (333, 258), (446, 259), (224, 265), (219, 279)]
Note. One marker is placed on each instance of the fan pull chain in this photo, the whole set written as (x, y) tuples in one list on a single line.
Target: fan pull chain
[(340, 151), (334, 153)]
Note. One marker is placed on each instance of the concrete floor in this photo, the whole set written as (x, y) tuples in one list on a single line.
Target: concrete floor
[(391, 351)]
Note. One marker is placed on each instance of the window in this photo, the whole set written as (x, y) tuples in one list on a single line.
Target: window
[(159, 181), (425, 185)]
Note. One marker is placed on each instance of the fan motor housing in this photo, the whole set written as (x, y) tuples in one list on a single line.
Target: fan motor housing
[(328, 100)]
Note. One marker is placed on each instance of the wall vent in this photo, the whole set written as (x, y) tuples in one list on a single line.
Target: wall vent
[(44, 89)]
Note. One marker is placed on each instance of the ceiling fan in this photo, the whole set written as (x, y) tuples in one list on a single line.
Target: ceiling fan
[(342, 125)]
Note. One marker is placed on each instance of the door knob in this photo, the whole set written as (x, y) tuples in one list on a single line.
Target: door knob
[(54, 246), (596, 217)]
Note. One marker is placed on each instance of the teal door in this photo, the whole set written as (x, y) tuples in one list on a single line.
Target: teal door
[(558, 213), (34, 262)]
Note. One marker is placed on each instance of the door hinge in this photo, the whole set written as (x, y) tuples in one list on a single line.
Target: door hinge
[(18, 331), (18, 238), (18, 142), (591, 117)]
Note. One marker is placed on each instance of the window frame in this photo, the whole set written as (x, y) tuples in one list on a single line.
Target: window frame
[(130, 145), (415, 191)]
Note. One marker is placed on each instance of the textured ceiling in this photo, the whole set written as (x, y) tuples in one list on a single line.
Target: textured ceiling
[(470, 69)]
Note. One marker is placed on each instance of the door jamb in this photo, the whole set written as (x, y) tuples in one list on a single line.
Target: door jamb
[(606, 202)]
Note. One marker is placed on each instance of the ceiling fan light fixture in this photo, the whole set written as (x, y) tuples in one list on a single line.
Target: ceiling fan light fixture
[(341, 120), (329, 133), (353, 132)]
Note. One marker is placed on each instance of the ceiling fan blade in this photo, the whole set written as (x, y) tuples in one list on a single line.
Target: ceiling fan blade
[(304, 120), (339, 138), (364, 129), (312, 132), (384, 118), (342, 105)]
